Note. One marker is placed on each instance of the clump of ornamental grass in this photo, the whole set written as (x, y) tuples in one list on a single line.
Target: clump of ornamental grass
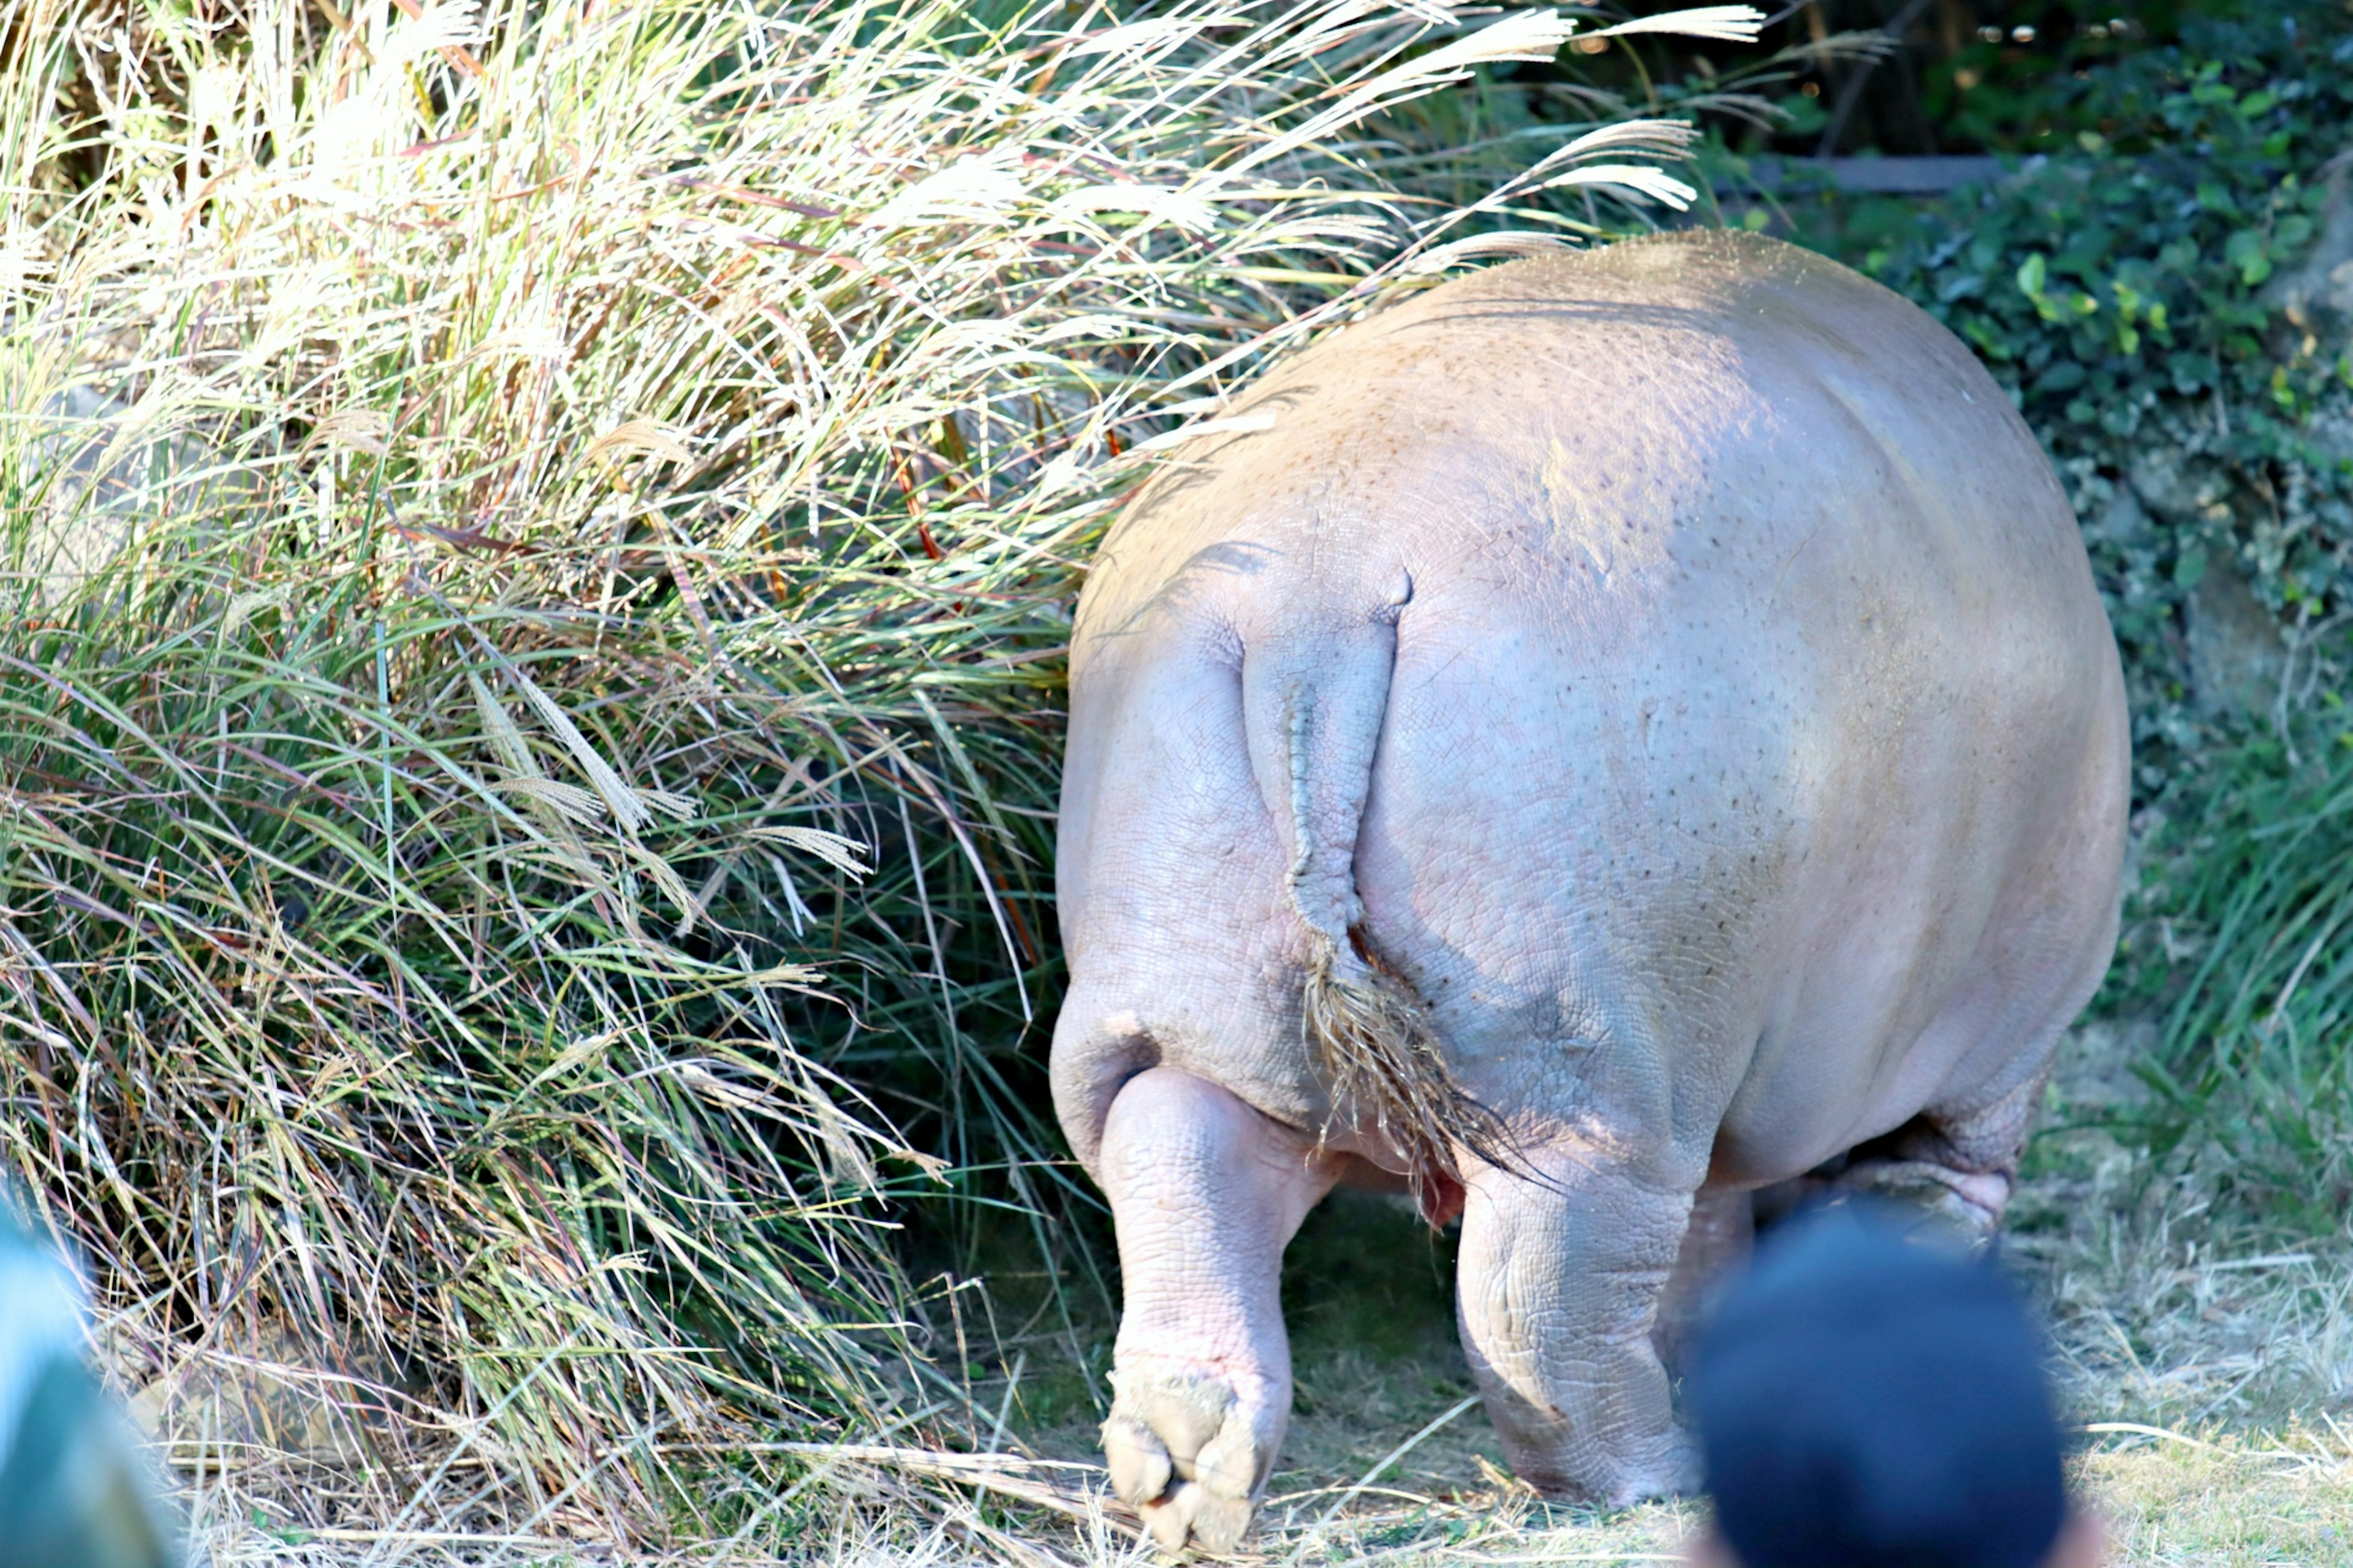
[(538, 546), (2245, 931)]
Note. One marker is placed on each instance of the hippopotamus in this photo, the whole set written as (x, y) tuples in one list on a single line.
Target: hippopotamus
[(1605, 740)]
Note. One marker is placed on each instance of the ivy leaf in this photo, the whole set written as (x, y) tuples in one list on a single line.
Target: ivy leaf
[(2245, 251), (2229, 133), (2064, 376)]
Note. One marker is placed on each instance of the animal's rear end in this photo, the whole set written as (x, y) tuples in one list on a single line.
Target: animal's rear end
[(1225, 1000), (1550, 762)]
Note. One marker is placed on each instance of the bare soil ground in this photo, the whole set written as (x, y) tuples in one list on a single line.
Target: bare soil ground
[(2210, 1368)]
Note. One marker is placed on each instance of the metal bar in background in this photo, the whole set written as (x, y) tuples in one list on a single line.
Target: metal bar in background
[(1894, 176)]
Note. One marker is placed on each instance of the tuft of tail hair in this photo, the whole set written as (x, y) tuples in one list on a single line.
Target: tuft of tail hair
[(1384, 1061)]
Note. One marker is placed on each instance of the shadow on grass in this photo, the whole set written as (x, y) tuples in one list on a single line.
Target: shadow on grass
[(1367, 1293)]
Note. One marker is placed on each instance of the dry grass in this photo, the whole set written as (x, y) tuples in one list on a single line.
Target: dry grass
[(2168, 1308), (2253, 1500), (537, 543), (2239, 927), (2263, 1478), (2211, 1370)]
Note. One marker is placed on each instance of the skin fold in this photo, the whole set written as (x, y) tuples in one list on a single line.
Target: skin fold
[(1675, 667)]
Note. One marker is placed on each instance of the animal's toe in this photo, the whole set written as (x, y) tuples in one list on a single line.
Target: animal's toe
[(1955, 1207), (1668, 1465), (1170, 1520), (1138, 1459), (1194, 1512), (1678, 1473), (1669, 1468), (1218, 1522)]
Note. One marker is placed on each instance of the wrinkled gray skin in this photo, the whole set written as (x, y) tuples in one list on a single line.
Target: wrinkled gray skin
[(1679, 665)]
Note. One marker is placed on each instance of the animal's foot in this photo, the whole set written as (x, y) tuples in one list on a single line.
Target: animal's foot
[(1963, 1205), (1677, 1472), (1570, 1474), (1189, 1446)]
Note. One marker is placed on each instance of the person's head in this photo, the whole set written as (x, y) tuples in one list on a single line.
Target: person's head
[(74, 1491), (1862, 1401)]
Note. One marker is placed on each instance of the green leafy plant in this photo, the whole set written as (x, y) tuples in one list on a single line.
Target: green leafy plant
[(2119, 292), (2247, 912), (2150, 296), (2029, 79)]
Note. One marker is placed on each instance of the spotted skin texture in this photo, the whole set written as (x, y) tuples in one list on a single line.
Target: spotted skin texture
[(1678, 666)]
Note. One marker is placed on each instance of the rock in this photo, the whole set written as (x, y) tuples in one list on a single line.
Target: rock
[(2096, 1064), (97, 485), (2236, 649), (2124, 522), (2316, 294), (2176, 487), (273, 1395)]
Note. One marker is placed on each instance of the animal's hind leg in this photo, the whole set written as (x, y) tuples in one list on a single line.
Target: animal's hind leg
[(1557, 1285), (1959, 1166), (1205, 1193)]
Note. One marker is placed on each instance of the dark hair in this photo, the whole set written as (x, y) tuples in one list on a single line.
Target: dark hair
[(1863, 1401)]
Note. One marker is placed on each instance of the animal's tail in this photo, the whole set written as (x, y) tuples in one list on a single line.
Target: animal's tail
[(1373, 1038), (1314, 705)]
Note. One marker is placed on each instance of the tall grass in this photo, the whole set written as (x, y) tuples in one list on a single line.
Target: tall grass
[(539, 541), (2254, 1066)]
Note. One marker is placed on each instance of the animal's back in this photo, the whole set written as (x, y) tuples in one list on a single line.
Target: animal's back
[(1675, 663)]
